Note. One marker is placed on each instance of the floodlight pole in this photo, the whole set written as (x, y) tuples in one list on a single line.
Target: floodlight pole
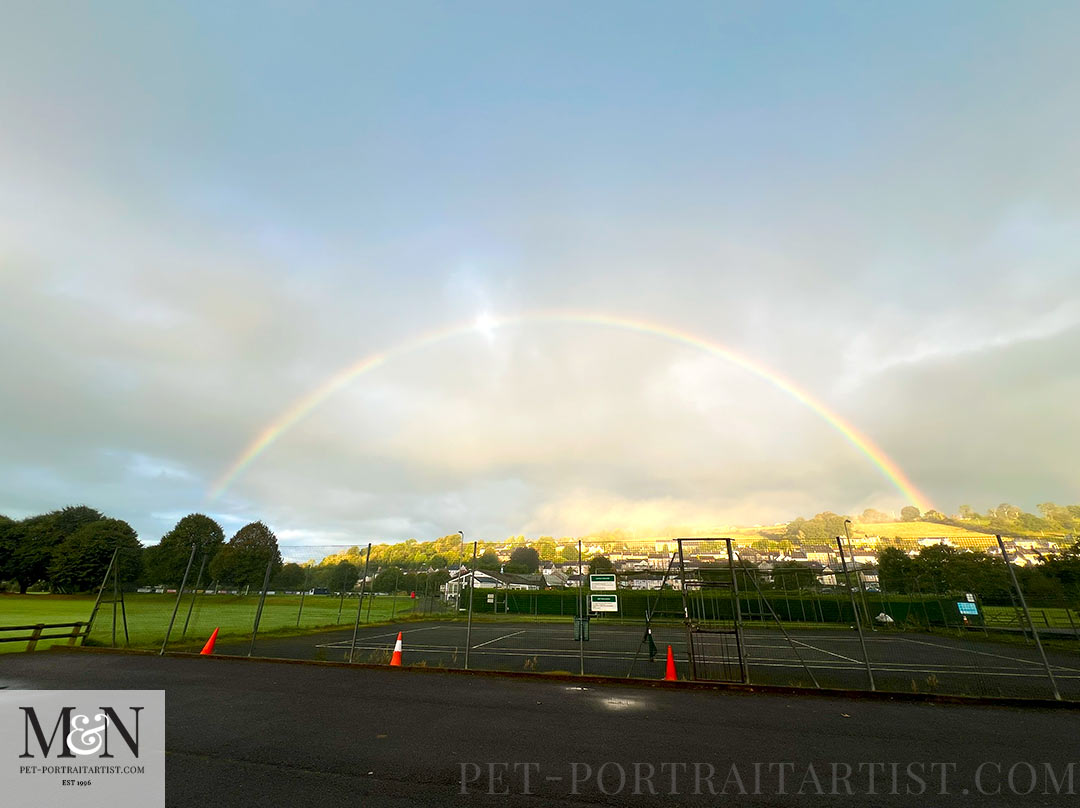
[(472, 585), (1027, 614), (176, 608)]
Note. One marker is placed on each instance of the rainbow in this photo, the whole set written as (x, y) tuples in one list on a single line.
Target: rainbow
[(304, 406)]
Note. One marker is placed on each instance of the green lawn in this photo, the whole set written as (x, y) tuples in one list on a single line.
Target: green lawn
[(148, 615)]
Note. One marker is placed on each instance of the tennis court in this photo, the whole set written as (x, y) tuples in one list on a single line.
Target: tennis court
[(898, 661)]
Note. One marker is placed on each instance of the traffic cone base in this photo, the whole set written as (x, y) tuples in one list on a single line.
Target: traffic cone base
[(209, 647), (669, 674), (395, 660)]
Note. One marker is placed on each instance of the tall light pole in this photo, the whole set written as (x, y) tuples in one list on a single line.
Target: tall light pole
[(461, 566)]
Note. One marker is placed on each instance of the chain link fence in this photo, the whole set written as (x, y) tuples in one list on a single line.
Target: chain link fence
[(961, 616)]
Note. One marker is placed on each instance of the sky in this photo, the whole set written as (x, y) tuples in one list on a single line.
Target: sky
[(209, 210)]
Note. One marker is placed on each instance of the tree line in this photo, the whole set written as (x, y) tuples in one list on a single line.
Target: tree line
[(70, 550)]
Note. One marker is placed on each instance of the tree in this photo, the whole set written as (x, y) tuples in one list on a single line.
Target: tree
[(895, 570), (826, 525), (167, 560), (600, 564), (390, 578), (909, 513), (342, 576), (934, 516), (794, 575), (242, 562), (27, 546), (438, 562), (523, 560), (872, 516), (291, 578), (79, 562), (489, 561)]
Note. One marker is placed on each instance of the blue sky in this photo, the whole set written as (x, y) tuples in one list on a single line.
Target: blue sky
[(207, 209)]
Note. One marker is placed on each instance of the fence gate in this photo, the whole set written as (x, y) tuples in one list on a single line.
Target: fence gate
[(711, 610)]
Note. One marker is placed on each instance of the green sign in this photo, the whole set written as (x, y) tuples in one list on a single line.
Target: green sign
[(602, 583), (604, 603)]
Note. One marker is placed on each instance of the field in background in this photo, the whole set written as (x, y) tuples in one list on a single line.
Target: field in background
[(148, 615), (916, 530)]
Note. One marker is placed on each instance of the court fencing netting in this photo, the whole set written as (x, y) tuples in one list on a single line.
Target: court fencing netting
[(964, 616)]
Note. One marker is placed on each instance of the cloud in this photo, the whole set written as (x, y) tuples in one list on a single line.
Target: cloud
[(189, 244)]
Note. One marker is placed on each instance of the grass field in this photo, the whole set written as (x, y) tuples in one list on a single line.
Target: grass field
[(917, 530), (148, 615)]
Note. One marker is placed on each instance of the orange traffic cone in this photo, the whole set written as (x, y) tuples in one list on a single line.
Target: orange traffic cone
[(209, 647), (395, 660), (669, 674)]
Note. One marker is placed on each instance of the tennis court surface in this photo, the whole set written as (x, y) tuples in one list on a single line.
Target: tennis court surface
[(898, 661)]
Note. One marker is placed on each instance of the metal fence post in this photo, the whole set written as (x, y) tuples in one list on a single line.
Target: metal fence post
[(468, 625), (686, 612), (1027, 614), (194, 595), (360, 604), (581, 611), (262, 600), (855, 611), (743, 664), (176, 607)]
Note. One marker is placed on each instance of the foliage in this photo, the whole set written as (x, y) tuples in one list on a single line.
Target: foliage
[(825, 526), (909, 513), (26, 547), (243, 561), (523, 560), (600, 563), (339, 577), (941, 569), (79, 562), (489, 561), (166, 561), (290, 578)]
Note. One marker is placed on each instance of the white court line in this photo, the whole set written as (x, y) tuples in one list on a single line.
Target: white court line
[(489, 642), (822, 650), (987, 653), (347, 643)]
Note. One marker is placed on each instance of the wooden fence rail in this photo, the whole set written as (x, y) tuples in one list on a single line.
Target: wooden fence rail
[(75, 632)]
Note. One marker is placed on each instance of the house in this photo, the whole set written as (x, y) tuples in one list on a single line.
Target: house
[(642, 581), (483, 579), (556, 579)]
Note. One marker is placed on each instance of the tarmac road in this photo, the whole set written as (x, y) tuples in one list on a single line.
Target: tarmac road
[(258, 733)]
